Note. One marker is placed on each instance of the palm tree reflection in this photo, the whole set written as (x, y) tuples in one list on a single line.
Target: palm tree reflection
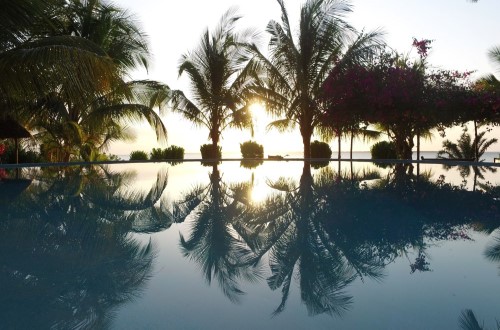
[(290, 228), (214, 241), (68, 261)]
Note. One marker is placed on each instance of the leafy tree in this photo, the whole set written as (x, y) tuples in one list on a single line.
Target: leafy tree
[(298, 66), (221, 74)]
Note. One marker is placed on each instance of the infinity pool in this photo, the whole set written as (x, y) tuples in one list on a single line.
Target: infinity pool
[(256, 245)]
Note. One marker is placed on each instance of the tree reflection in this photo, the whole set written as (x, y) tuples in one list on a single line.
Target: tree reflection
[(68, 260), (290, 227), (327, 231), (213, 241)]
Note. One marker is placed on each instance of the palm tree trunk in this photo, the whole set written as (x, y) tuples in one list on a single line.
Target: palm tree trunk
[(340, 147), (306, 140), (476, 151), (418, 154), (352, 143)]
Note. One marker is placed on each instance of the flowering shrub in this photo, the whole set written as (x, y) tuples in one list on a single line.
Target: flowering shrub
[(404, 97), (2, 149)]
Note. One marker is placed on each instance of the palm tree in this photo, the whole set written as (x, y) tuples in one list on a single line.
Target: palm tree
[(297, 67), (110, 27), (83, 130), (466, 148), (34, 62), (221, 75)]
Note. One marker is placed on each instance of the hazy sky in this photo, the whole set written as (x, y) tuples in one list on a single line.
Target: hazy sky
[(462, 32)]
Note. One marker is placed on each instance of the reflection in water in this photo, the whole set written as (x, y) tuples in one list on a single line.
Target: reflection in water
[(316, 231), (67, 258), (214, 242), (329, 231)]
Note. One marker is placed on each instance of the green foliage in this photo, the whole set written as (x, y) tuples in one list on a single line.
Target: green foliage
[(138, 155), (156, 154), (208, 151), (172, 152), (320, 150), (251, 149), (383, 150), (465, 148)]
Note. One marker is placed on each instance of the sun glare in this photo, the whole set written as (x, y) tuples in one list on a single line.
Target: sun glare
[(258, 112)]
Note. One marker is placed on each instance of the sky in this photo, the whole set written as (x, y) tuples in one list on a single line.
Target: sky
[(462, 33)]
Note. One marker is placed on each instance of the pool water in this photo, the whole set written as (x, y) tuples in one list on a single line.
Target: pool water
[(266, 245)]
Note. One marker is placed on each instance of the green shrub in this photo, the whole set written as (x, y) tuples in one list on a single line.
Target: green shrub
[(138, 155), (173, 152), (383, 150), (320, 150), (251, 149), (208, 151), (156, 154)]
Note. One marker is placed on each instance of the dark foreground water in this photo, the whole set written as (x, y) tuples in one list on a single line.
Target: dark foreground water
[(277, 245)]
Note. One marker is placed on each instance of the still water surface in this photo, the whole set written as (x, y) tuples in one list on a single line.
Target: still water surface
[(246, 246)]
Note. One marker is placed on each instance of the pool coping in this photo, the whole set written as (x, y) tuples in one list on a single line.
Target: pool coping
[(361, 160)]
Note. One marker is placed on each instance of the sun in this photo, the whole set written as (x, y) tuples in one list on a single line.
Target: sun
[(258, 111)]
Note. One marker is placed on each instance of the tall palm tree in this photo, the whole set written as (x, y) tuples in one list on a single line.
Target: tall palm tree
[(221, 74), (298, 66)]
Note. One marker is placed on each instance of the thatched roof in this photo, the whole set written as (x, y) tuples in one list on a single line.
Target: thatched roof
[(9, 129)]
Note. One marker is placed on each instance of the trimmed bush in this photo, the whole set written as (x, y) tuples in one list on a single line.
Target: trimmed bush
[(320, 150), (138, 155), (383, 150), (208, 151), (173, 152), (156, 154), (251, 149)]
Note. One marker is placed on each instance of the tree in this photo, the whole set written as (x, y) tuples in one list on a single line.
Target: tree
[(221, 75), (297, 67), (83, 130), (34, 62), (466, 148)]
